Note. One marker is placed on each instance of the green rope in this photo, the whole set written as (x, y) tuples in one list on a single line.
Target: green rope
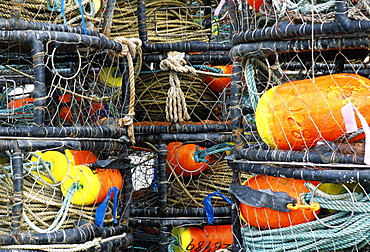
[(61, 216), (200, 155), (201, 67), (211, 69), (251, 84), (28, 108), (346, 228)]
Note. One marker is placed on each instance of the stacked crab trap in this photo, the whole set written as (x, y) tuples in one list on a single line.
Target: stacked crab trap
[(302, 78), (65, 126), (182, 126)]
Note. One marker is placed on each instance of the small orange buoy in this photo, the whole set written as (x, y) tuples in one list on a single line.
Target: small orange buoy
[(80, 157), (266, 218), (298, 114), (255, 4), (219, 84), (108, 178), (208, 238), (20, 102), (181, 158)]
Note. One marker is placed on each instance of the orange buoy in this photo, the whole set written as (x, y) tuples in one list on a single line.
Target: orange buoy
[(65, 113), (298, 114), (255, 4), (80, 157), (218, 84), (108, 178), (208, 238), (20, 102), (181, 158), (266, 218)]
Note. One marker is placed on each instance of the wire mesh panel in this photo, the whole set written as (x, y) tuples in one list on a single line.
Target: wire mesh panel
[(259, 20), (303, 95), (166, 23), (64, 166)]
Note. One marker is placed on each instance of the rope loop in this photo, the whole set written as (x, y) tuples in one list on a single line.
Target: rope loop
[(175, 62), (130, 45)]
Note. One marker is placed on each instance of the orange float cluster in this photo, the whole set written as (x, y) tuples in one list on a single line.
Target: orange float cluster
[(73, 167)]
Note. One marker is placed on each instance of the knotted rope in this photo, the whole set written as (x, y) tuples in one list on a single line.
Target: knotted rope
[(175, 109), (129, 49)]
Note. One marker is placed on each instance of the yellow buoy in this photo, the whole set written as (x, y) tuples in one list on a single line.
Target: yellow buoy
[(58, 164), (89, 185)]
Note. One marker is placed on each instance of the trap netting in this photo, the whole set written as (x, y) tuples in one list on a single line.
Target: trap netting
[(303, 87), (64, 175)]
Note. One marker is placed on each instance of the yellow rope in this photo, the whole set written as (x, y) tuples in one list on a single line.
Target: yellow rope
[(129, 47), (42, 203), (216, 177)]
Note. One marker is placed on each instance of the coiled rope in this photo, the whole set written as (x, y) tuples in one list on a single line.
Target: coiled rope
[(191, 193), (42, 204), (349, 227), (61, 216)]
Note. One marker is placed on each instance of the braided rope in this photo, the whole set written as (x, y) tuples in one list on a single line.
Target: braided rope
[(129, 48), (176, 110)]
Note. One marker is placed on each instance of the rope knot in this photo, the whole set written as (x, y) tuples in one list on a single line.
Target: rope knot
[(175, 61), (176, 110), (128, 46)]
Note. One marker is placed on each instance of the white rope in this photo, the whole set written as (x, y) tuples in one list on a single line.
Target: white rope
[(65, 247), (176, 110), (302, 6)]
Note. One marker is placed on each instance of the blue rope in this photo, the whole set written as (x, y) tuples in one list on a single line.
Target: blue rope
[(28, 108), (202, 67), (200, 155), (151, 71), (82, 17), (62, 7), (55, 6)]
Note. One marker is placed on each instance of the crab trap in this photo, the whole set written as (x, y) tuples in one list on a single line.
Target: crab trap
[(305, 93), (65, 120)]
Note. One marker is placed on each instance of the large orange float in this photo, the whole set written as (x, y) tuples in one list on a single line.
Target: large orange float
[(266, 218), (181, 158), (298, 114)]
